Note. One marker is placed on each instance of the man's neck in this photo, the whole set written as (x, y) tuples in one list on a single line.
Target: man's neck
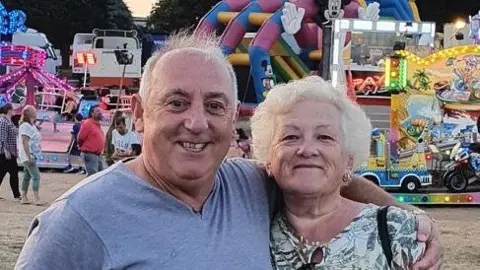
[(194, 195)]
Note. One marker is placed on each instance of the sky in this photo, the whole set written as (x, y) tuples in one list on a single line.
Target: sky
[(140, 8)]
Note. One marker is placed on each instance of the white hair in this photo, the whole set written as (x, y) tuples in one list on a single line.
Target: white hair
[(355, 125), (208, 44)]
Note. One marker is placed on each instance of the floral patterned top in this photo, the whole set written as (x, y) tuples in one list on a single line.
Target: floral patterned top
[(357, 247)]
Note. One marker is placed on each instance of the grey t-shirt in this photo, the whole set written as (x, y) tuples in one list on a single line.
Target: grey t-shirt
[(114, 220)]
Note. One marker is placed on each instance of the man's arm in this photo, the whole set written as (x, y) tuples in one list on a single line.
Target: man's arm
[(83, 133), (60, 238), (361, 190), (3, 135)]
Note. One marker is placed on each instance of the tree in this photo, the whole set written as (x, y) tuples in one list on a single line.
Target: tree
[(421, 80), (60, 20), (172, 15)]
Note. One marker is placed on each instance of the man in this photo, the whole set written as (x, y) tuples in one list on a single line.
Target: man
[(176, 206), (91, 140), (122, 140), (8, 149)]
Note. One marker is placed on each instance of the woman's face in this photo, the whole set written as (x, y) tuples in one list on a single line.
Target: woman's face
[(32, 116), (307, 156)]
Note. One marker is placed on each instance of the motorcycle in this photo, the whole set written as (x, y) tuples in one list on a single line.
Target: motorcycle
[(460, 171)]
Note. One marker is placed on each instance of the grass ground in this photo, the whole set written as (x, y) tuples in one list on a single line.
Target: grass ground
[(460, 227)]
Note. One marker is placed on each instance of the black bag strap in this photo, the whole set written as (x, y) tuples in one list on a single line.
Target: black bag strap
[(383, 233)]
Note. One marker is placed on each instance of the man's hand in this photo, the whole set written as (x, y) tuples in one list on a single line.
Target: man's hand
[(427, 232), (8, 155)]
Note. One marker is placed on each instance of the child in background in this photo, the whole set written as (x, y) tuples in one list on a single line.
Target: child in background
[(74, 152)]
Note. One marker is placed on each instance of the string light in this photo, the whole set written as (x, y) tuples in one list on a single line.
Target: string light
[(439, 198), (19, 55), (439, 55), (12, 22)]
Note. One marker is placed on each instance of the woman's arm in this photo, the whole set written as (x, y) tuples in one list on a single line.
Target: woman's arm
[(362, 190), (26, 148)]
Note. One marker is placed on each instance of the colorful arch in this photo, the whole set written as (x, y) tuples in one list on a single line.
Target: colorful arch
[(400, 10)]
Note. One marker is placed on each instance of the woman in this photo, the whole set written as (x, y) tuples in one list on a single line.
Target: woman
[(109, 149), (29, 152), (311, 136)]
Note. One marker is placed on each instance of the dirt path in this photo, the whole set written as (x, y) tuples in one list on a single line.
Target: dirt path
[(460, 227)]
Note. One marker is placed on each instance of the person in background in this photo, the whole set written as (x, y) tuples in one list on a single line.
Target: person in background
[(109, 149), (243, 143), (73, 148), (136, 151), (8, 149), (122, 140), (70, 108), (91, 140), (16, 120), (29, 151), (57, 117), (234, 151)]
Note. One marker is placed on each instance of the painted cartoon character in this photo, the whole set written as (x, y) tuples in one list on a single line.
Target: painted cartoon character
[(475, 28), (269, 79), (308, 35)]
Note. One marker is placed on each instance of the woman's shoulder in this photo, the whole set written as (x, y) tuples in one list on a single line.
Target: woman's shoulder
[(25, 127)]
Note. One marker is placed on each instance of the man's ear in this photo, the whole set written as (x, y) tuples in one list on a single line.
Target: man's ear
[(137, 110), (235, 117)]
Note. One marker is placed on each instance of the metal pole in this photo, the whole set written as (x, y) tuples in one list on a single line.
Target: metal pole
[(333, 12), (121, 86), (326, 51), (85, 74)]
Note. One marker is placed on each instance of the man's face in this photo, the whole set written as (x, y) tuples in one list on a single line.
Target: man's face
[(97, 114), (188, 117), (121, 128)]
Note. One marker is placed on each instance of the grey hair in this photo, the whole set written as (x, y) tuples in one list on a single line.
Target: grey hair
[(209, 44), (355, 125)]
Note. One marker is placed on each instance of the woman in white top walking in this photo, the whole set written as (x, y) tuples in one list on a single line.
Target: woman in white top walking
[(29, 153)]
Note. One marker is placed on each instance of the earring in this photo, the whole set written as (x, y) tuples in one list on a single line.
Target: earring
[(347, 176)]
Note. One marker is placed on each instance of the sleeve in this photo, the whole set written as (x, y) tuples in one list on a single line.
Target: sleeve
[(258, 178), (112, 141), (83, 133), (75, 129), (60, 238), (406, 250), (3, 134), (133, 138), (25, 130)]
